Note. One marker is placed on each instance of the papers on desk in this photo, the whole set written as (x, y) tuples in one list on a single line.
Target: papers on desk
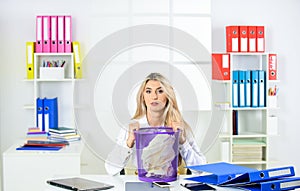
[(234, 176)]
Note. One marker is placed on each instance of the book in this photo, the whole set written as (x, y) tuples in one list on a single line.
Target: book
[(47, 142), (37, 133), (34, 129), (44, 145), (61, 134), (36, 148), (62, 130), (65, 138)]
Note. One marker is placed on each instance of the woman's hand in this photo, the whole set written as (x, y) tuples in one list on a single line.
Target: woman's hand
[(131, 138), (180, 126)]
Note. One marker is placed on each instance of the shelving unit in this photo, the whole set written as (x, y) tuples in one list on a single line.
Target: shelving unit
[(249, 145), (32, 168), (51, 87)]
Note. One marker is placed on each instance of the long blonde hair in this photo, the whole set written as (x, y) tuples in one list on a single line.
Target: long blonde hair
[(171, 111)]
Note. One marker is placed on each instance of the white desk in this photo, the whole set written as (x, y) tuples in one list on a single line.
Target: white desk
[(28, 170), (119, 182)]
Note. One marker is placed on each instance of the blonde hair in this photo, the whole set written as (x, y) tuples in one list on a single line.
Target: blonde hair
[(172, 112)]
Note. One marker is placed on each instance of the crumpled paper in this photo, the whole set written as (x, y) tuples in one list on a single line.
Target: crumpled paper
[(157, 157)]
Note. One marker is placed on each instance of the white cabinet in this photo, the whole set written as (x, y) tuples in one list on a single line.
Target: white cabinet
[(245, 131), (29, 170)]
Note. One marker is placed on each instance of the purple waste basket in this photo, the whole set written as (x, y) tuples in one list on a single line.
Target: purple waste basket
[(157, 154)]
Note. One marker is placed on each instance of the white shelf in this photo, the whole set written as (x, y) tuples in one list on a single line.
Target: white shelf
[(54, 80), (249, 135), (62, 88), (252, 121), (249, 53), (274, 81), (53, 54), (249, 108), (222, 81), (243, 136), (29, 106)]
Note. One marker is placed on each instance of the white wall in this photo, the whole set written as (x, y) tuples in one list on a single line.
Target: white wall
[(282, 30), (92, 21), (280, 19)]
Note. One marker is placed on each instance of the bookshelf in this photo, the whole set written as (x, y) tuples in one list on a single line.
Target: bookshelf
[(50, 74), (54, 85), (33, 167), (246, 130), (51, 82)]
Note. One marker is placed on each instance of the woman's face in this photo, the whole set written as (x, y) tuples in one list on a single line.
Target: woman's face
[(155, 96)]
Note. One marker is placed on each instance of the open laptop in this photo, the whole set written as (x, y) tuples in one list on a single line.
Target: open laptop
[(79, 184)]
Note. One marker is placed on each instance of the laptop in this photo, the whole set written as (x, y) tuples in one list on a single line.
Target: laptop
[(79, 184)]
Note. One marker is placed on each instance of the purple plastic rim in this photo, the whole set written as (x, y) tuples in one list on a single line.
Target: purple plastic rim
[(155, 130), (153, 179)]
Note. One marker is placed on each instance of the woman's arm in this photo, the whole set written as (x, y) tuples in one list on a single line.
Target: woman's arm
[(119, 156), (190, 151)]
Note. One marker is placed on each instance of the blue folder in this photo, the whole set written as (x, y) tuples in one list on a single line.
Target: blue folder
[(248, 88), (235, 88), (274, 185), (262, 88), (254, 88), (40, 114), (262, 175), (242, 87), (50, 113), (221, 172)]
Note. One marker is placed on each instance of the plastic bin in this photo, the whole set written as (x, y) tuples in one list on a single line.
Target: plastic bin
[(157, 154)]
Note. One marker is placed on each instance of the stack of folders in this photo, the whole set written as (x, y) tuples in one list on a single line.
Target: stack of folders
[(248, 88), (245, 38), (53, 33), (46, 113), (64, 134), (239, 177)]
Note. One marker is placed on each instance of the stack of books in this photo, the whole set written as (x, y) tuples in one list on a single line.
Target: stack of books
[(63, 134), (245, 150), (34, 133), (43, 145), (54, 140), (247, 153)]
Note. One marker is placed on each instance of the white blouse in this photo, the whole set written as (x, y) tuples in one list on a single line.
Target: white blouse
[(122, 156)]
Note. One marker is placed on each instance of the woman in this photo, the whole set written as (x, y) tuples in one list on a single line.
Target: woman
[(156, 107)]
